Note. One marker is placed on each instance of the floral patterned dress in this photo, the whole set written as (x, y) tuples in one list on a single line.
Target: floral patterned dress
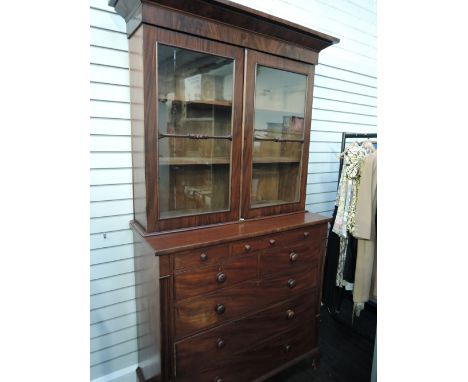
[(346, 201)]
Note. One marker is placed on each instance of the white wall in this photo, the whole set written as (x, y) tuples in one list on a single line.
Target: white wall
[(345, 100)]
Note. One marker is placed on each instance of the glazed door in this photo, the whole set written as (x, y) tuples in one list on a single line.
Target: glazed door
[(199, 116), (276, 138)]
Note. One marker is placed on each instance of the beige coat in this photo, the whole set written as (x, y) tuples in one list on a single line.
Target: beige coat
[(365, 232)]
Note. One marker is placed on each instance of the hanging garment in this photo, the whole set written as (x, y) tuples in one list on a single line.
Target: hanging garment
[(346, 201), (365, 231), (350, 262)]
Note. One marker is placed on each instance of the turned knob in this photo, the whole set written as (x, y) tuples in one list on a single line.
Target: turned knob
[(247, 247), (287, 348), (203, 257), (293, 256), (218, 379), (220, 308), (220, 277), (291, 283), (290, 314), (272, 241), (306, 234), (220, 343)]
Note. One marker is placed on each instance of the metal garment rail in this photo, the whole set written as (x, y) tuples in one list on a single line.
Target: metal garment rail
[(344, 138)]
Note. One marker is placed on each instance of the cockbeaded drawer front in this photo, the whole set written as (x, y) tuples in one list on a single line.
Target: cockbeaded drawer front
[(201, 257), (202, 312), (289, 257), (208, 279), (249, 364), (216, 345)]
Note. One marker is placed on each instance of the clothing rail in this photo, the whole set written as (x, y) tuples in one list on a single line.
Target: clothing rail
[(345, 136)]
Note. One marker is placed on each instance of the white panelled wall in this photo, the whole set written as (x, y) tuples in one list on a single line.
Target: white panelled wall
[(345, 99)]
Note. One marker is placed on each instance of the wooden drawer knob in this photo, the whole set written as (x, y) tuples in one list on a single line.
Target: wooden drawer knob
[(291, 283), (287, 348), (293, 257), (306, 234), (218, 379), (272, 241), (247, 247), (220, 343), (220, 277), (290, 314), (203, 257), (220, 308)]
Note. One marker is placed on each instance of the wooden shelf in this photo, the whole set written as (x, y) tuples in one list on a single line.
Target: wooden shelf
[(268, 134), (208, 161), (268, 203), (188, 212), (216, 102), (184, 161), (275, 160), (272, 109)]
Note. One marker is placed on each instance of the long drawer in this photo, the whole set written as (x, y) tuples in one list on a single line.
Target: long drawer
[(252, 363), (212, 278), (204, 311), (213, 346)]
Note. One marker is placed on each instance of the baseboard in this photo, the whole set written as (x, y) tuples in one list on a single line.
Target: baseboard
[(123, 375), (141, 377)]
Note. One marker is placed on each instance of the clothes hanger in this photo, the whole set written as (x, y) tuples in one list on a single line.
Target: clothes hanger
[(368, 146), (352, 144)]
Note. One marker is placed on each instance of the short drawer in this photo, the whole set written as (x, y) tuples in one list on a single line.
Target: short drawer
[(213, 346), (205, 311), (208, 279), (289, 258), (200, 257), (307, 236), (250, 245), (253, 363), (287, 285)]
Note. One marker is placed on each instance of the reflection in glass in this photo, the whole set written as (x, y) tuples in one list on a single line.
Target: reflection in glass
[(278, 138), (195, 93)]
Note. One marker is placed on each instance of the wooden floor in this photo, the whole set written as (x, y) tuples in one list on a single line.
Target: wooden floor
[(347, 350)]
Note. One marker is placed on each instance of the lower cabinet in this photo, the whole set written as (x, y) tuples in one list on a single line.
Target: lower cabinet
[(239, 310)]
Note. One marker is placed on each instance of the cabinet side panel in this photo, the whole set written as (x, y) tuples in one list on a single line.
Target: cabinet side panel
[(148, 308), (135, 44)]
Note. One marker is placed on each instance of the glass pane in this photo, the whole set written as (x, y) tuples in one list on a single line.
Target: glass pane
[(275, 183), (280, 98), (195, 92), (192, 189), (279, 103)]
